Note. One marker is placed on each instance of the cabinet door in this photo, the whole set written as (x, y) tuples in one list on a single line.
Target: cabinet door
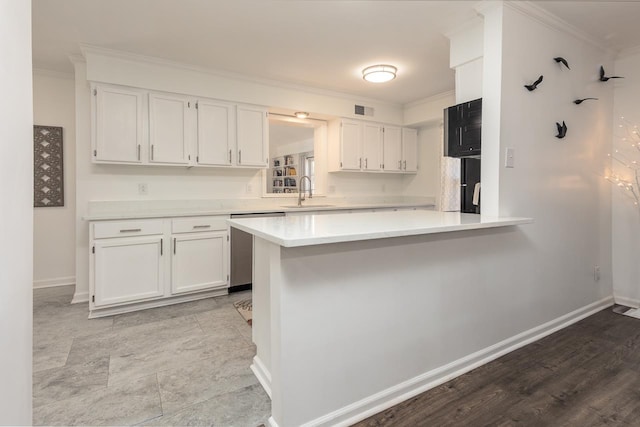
[(252, 137), (215, 133), (199, 261), (392, 149), (372, 147), (128, 269), (118, 125), (350, 145), (471, 128), (409, 150), (168, 129)]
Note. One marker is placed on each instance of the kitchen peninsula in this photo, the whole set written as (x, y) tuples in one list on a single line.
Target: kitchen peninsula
[(353, 313)]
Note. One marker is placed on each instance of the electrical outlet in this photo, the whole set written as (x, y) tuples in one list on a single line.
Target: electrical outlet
[(596, 273), (143, 189)]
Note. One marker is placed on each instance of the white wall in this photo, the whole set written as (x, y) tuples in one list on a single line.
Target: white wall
[(16, 213), (54, 227), (554, 181), (626, 216)]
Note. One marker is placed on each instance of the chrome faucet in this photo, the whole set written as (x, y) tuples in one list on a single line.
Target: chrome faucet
[(300, 197)]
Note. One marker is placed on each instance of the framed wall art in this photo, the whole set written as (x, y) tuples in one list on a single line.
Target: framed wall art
[(48, 171)]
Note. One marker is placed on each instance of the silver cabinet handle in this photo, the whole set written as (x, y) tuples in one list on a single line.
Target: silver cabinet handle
[(399, 164), (405, 165), (161, 245), (202, 226), (131, 230), (366, 163), (360, 163), (460, 136), (174, 245), (138, 151), (229, 156), (239, 156), (152, 152)]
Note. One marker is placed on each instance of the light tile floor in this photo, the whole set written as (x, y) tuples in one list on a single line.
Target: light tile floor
[(185, 364)]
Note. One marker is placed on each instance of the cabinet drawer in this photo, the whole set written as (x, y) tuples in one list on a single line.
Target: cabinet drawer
[(200, 223), (103, 230)]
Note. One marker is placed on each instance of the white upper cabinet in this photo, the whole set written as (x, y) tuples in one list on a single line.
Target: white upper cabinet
[(119, 122), (409, 150), (362, 146), (252, 129), (216, 133), (135, 126), (169, 124), (392, 149), (372, 147), (350, 145)]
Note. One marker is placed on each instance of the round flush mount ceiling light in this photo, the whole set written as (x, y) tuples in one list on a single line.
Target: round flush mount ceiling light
[(301, 114), (379, 73)]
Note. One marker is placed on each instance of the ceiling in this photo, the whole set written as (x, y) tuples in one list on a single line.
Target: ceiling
[(319, 43)]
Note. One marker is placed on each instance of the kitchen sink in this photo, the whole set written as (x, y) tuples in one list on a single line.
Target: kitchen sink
[(308, 206)]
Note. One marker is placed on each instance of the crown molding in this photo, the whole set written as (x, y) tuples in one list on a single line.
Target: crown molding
[(550, 20), (77, 59), (134, 57), (52, 73), (430, 99)]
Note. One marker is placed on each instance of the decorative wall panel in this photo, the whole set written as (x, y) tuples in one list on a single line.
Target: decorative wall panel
[(48, 173)]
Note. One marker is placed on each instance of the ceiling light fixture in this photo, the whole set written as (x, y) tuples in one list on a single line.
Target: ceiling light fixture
[(379, 73), (301, 114)]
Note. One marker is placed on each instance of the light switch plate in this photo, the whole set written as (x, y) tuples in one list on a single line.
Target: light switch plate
[(509, 158)]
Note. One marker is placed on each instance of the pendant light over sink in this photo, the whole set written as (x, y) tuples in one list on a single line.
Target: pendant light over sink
[(379, 73)]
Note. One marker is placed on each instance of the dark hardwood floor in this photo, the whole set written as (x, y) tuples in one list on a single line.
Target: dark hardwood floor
[(585, 375)]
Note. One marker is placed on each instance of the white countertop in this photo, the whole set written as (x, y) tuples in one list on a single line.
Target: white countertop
[(307, 230), (137, 209)]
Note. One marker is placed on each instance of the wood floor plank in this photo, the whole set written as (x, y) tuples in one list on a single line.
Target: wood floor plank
[(585, 375)]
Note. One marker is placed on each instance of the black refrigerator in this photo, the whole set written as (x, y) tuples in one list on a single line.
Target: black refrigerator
[(469, 177)]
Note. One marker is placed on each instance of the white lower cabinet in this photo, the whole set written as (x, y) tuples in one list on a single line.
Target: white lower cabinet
[(140, 264), (200, 255), (128, 269)]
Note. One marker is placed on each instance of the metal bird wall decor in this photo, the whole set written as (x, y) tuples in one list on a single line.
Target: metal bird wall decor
[(604, 78), (561, 60), (580, 101), (533, 86), (562, 130)]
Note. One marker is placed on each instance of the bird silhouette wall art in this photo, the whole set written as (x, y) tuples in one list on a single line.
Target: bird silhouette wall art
[(604, 78), (580, 101), (533, 86), (561, 60), (562, 130)]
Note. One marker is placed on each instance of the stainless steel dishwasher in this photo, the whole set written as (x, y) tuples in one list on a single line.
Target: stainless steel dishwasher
[(242, 253)]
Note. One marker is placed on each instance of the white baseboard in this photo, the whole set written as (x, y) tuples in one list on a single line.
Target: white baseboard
[(629, 302), (56, 281), (79, 297), (385, 399), (262, 374)]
